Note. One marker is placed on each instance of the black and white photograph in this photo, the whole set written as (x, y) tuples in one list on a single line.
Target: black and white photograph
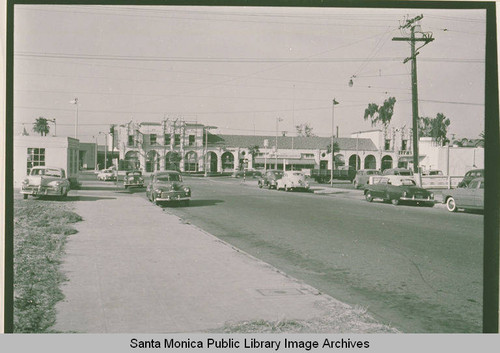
[(249, 169)]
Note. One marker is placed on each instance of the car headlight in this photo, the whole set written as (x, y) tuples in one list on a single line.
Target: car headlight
[(55, 183), (431, 195), (186, 189), (25, 182), (405, 194), (158, 191)]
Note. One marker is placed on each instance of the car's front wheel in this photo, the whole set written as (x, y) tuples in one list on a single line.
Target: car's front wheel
[(369, 196), (451, 205)]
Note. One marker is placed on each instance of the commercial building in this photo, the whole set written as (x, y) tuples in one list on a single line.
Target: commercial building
[(32, 151), (190, 147)]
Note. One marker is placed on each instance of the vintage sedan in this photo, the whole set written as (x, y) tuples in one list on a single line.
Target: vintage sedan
[(106, 175), (270, 179), (133, 179), (292, 180), (469, 197), (471, 175), (45, 181), (167, 186), (397, 189), (363, 176)]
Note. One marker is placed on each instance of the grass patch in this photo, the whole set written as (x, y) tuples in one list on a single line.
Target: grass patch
[(336, 318), (41, 228)]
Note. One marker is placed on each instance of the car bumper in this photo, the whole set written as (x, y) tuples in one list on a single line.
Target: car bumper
[(139, 185), (47, 190), (172, 198), (417, 199)]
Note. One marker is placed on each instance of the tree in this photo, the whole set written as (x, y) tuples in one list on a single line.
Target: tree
[(253, 150), (336, 148), (436, 128), (304, 130), (381, 114), (41, 126)]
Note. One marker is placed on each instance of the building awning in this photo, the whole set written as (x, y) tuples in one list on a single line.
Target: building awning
[(288, 161)]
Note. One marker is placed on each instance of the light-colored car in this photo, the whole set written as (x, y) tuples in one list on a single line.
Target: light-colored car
[(167, 186), (106, 175), (469, 197), (292, 180), (45, 181), (363, 176)]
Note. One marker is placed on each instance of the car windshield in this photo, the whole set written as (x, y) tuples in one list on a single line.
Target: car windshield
[(47, 172), (168, 177), (409, 182), (371, 172), (403, 172)]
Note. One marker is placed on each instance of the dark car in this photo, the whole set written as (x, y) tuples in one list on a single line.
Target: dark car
[(166, 187), (469, 197), (270, 178), (396, 189), (133, 179), (471, 175), (247, 173)]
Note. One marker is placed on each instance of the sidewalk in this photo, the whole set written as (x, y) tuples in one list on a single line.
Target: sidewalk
[(132, 267)]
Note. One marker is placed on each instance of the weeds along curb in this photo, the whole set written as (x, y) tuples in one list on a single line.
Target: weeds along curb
[(41, 229)]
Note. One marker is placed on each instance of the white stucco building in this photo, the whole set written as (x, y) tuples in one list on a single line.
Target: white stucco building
[(31, 151)]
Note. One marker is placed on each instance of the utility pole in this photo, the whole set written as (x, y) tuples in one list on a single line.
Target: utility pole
[(426, 38), (334, 103)]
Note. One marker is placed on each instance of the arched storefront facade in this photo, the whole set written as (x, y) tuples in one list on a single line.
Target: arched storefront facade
[(191, 162), (370, 162)]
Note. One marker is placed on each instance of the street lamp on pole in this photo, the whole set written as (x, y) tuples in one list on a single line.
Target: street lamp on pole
[(105, 149), (278, 119), (205, 158), (334, 103), (75, 102)]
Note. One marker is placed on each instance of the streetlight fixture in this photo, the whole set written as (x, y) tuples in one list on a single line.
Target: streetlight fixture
[(278, 119), (75, 102), (105, 149), (205, 158), (334, 103)]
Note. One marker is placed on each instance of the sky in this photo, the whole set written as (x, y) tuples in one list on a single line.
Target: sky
[(242, 68)]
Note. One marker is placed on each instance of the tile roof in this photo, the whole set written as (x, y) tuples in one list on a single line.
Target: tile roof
[(285, 142)]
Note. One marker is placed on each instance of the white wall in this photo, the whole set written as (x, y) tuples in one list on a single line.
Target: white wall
[(56, 153)]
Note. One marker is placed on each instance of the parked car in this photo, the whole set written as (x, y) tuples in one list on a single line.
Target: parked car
[(292, 180), (432, 172), (45, 181), (397, 188), (397, 171), (471, 175), (247, 173), (133, 179), (167, 186), (469, 197), (363, 176), (106, 175), (270, 178)]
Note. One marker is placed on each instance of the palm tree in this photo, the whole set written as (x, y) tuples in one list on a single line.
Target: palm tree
[(253, 150), (41, 126)]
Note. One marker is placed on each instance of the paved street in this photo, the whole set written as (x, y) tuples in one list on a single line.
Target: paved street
[(417, 268)]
